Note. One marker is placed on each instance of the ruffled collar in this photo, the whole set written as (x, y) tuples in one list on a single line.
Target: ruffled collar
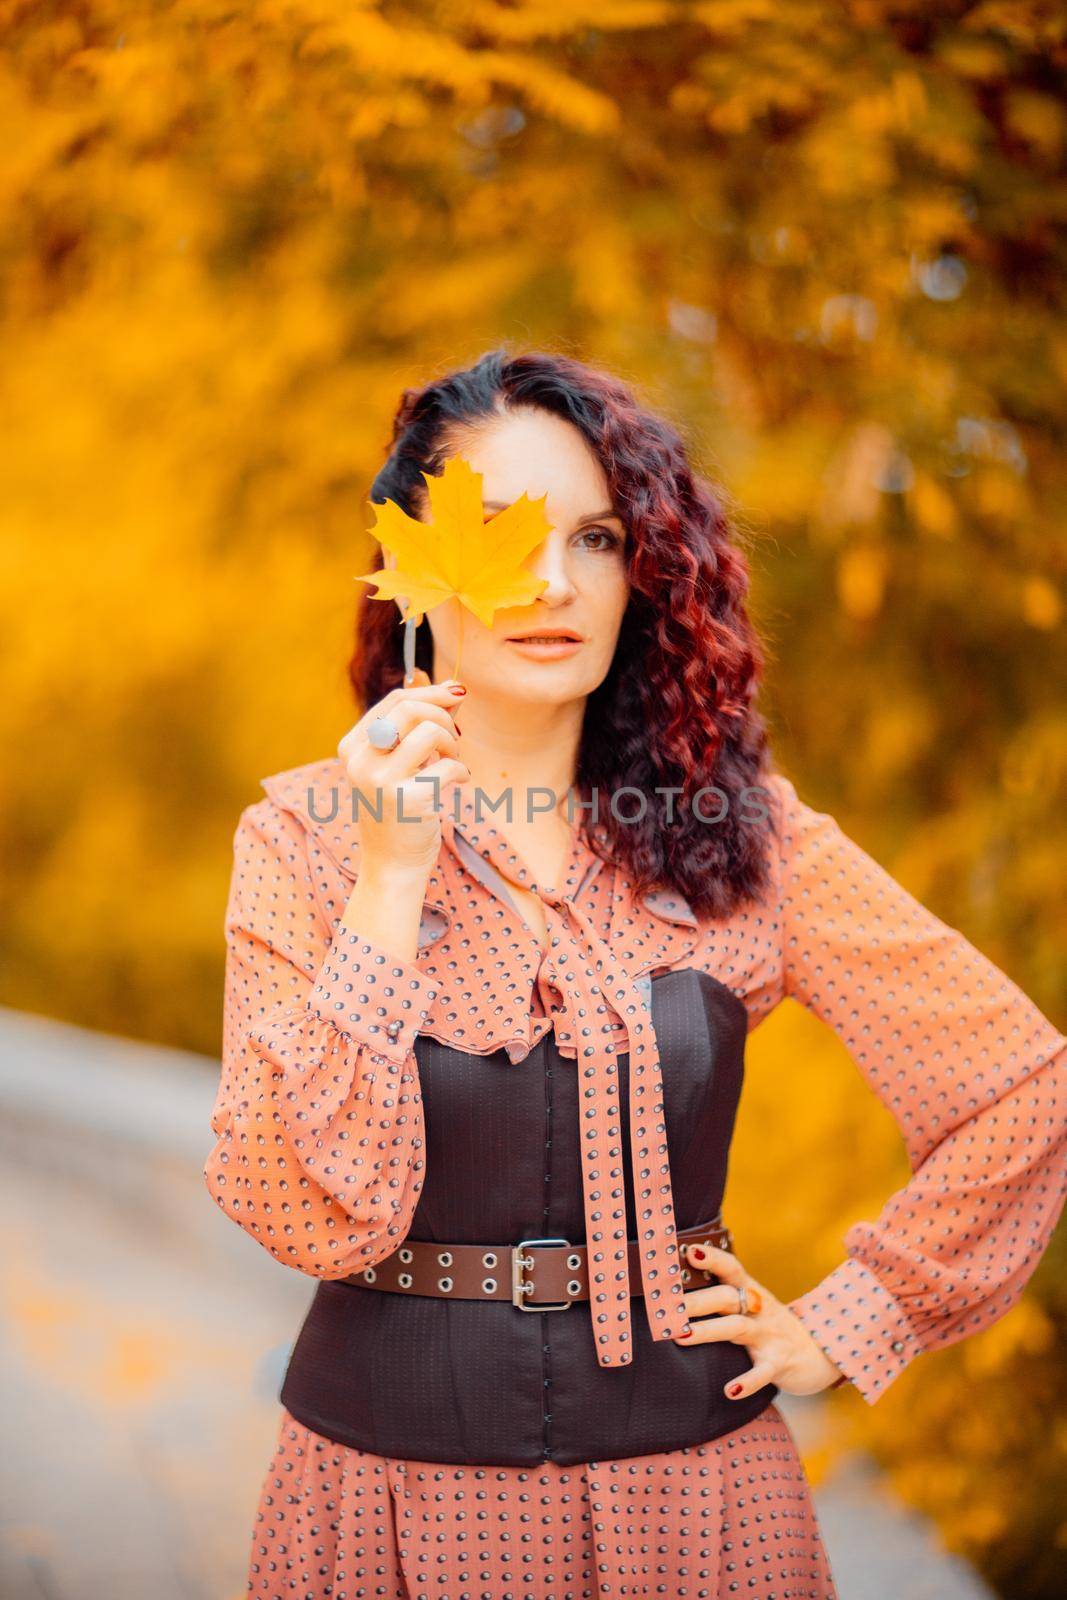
[(320, 794)]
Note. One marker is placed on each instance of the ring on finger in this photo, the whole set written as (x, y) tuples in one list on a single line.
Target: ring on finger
[(383, 733), (748, 1304)]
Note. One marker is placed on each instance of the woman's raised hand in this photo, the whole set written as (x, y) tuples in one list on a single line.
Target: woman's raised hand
[(783, 1351), (400, 814)]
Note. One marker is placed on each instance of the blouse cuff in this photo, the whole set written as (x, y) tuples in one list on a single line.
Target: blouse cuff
[(368, 993), (860, 1326)]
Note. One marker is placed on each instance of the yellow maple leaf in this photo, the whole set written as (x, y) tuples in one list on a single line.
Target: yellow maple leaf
[(458, 553)]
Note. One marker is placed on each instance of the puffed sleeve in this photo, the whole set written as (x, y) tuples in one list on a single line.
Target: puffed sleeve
[(319, 1151), (973, 1074)]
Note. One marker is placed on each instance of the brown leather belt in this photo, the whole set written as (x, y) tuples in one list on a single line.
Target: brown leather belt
[(551, 1268)]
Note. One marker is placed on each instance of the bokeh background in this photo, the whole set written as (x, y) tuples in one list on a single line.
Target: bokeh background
[(826, 240)]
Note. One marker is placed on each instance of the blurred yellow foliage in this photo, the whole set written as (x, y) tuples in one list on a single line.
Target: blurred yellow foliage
[(862, 571), (824, 241)]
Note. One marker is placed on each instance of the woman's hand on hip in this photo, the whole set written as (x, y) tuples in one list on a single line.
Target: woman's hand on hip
[(783, 1351)]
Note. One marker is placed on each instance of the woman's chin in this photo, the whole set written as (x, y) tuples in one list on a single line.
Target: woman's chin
[(543, 683)]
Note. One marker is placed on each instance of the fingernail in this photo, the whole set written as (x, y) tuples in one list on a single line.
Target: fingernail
[(458, 688), (698, 1252), (687, 1335), (733, 1390)]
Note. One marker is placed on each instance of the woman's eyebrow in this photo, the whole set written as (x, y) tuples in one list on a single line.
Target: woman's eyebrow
[(594, 516)]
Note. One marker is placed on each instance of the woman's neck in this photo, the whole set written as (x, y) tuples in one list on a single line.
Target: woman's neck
[(521, 750), (527, 755)]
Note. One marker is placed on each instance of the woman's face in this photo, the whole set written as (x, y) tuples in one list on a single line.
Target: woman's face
[(582, 560)]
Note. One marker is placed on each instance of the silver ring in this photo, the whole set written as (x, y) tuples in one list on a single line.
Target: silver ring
[(383, 733), (742, 1300)]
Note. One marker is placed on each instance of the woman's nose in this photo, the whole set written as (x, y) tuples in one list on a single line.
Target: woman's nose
[(549, 561)]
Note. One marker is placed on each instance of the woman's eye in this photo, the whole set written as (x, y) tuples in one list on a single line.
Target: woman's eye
[(611, 540)]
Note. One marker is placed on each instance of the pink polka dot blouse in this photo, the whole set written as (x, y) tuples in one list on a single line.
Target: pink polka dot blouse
[(318, 1120)]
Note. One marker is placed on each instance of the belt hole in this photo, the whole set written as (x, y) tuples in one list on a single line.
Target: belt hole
[(574, 1287), (406, 1254), (489, 1259), (488, 1285), (574, 1262), (444, 1283), (370, 1274), (404, 1280), (445, 1258)]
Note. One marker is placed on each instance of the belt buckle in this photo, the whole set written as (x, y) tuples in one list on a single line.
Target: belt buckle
[(519, 1285)]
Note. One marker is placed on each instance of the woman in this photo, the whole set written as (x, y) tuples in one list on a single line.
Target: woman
[(480, 1061)]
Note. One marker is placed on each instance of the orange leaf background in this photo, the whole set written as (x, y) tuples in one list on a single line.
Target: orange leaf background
[(824, 241)]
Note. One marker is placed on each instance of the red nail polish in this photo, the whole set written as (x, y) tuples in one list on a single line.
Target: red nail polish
[(697, 1252), (734, 1389), (688, 1335)]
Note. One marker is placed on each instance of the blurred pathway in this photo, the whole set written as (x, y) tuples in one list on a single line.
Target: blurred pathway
[(144, 1339)]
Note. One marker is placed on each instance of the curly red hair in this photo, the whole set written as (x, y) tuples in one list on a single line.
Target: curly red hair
[(677, 709)]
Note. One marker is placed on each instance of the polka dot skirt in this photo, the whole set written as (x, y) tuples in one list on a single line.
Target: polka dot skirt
[(730, 1517)]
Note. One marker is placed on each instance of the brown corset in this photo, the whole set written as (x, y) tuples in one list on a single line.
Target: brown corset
[(428, 1378)]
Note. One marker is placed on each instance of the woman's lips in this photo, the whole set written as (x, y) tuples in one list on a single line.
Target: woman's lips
[(545, 649)]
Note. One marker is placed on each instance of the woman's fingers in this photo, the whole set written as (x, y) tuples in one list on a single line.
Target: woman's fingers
[(397, 786), (445, 771), (407, 714), (418, 744), (710, 1330), (419, 736), (782, 1349), (733, 1328), (703, 1302), (720, 1262), (426, 728), (445, 692), (432, 702), (757, 1376)]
